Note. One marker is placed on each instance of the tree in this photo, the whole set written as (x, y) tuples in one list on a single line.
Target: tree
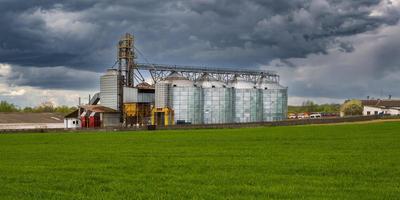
[(310, 106), (28, 109), (7, 107), (45, 107), (64, 109), (352, 108)]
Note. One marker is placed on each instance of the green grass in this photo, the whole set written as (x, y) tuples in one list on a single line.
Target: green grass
[(305, 162)]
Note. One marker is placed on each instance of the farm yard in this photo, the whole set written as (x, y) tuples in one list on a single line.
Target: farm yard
[(351, 161)]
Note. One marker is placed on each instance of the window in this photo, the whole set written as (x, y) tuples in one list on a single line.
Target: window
[(376, 112), (73, 122), (368, 112)]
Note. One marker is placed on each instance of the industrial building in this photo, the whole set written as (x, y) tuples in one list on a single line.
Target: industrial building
[(181, 95), (381, 107)]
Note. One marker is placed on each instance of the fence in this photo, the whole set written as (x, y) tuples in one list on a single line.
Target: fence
[(211, 126)]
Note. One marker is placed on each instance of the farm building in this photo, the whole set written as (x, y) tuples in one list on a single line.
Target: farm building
[(72, 120), (30, 121), (381, 107)]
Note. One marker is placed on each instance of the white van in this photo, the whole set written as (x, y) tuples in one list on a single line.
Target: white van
[(315, 116)]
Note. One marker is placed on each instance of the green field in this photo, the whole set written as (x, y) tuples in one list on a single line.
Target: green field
[(304, 162)]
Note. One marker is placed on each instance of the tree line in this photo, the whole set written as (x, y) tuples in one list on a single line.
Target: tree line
[(42, 108), (310, 107)]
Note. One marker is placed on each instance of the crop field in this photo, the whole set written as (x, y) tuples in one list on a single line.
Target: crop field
[(352, 161)]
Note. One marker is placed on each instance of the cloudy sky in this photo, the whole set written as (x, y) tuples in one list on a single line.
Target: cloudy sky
[(324, 50)]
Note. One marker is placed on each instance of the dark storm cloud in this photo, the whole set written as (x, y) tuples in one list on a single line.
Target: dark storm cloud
[(52, 77), (82, 34)]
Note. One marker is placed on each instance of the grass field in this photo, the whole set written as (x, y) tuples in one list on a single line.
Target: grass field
[(358, 161)]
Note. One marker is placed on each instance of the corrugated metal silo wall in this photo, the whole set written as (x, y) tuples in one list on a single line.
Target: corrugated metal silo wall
[(109, 91), (217, 105), (274, 104), (247, 105), (187, 104), (162, 95)]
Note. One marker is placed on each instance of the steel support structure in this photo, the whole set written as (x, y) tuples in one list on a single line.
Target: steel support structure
[(160, 72)]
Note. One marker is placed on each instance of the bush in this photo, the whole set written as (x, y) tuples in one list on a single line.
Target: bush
[(44, 107), (7, 107), (352, 108)]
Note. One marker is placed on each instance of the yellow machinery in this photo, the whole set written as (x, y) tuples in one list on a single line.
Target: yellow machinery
[(137, 113), (162, 116)]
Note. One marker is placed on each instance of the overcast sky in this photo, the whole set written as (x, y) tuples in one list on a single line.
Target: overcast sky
[(324, 50)]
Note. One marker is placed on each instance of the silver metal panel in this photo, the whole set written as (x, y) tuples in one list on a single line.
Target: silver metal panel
[(162, 95), (111, 120), (187, 104), (274, 104), (130, 95), (274, 100), (217, 105), (146, 97), (109, 91), (248, 106)]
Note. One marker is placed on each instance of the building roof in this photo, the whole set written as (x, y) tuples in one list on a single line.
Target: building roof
[(381, 103), (73, 114), (22, 117), (98, 109), (384, 107)]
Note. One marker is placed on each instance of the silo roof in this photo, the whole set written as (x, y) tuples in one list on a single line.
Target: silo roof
[(241, 83), (264, 83), (208, 81), (175, 76)]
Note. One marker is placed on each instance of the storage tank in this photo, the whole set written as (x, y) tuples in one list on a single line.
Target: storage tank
[(274, 100), (247, 101), (217, 100), (182, 96), (162, 94), (109, 89)]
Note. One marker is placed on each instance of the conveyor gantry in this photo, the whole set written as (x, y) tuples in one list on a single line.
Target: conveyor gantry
[(159, 72)]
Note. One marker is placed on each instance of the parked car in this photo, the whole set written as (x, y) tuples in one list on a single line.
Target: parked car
[(315, 116), (292, 116), (303, 116)]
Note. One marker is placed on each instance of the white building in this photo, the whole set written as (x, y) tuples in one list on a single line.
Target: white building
[(373, 110), (381, 107), (72, 120)]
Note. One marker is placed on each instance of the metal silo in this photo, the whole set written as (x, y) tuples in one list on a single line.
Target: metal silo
[(185, 99), (162, 94), (217, 100), (247, 101), (109, 89), (274, 100)]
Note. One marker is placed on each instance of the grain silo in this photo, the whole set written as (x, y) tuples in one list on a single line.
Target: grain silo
[(110, 89), (177, 101), (274, 100), (247, 101), (217, 100), (185, 99)]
